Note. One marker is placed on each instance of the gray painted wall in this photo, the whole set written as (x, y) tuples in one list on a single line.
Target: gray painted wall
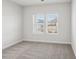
[(11, 23), (13, 19), (63, 11), (74, 26)]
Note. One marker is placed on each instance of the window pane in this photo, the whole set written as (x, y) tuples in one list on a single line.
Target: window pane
[(39, 28), (51, 28), (51, 18), (51, 23), (39, 19)]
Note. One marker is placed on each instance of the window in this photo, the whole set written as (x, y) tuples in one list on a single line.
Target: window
[(51, 23), (38, 23), (45, 23)]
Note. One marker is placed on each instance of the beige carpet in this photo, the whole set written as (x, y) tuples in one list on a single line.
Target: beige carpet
[(31, 50)]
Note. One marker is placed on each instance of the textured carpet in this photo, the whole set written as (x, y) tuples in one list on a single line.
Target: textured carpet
[(32, 50)]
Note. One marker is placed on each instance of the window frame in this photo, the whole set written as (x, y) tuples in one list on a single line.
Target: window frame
[(45, 24), (56, 24), (34, 18)]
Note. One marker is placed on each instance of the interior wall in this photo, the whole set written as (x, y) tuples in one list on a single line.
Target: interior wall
[(11, 23), (63, 11), (12, 15), (74, 26)]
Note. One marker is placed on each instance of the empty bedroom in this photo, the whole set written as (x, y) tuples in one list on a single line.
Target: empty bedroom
[(38, 29)]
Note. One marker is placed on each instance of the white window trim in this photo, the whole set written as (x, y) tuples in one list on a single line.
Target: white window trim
[(45, 27), (34, 24), (56, 25)]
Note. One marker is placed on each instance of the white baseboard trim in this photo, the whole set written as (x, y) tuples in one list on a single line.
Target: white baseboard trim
[(11, 44), (47, 41), (73, 50)]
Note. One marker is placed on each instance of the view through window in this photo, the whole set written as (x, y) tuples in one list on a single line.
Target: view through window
[(45, 23)]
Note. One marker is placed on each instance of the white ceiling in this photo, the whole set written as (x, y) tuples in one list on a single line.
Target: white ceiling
[(35, 2)]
